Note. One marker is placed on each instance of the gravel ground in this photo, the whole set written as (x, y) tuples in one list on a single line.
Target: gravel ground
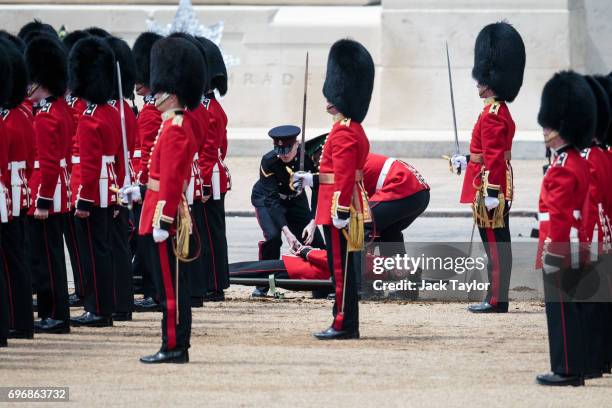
[(251, 353)]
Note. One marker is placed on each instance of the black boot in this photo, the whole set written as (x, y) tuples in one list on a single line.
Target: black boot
[(89, 319), (560, 380), (74, 300), (172, 356), (197, 301), (3, 342), (146, 305), (485, 307), (53, 326), (333, 334), (214, 296), (260, 292), (122, 316), (21, 334)]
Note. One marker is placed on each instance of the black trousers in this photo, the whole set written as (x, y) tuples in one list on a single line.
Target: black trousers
[(214, 245), (497, 244), (143, 280), (17, 275), (49, 266), (161, 262), (298, 215), (346, 305), (4, 312), (259, 269), (567, 330), (198, 269), (123, 293), (72, 243), (94, 237)]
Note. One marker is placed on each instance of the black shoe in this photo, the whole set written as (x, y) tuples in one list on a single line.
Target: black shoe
[(89, 319), (593, 375), (173, 356), (146, 305), (260, 292), (197, 301), (35, 305), (3, 343), (607, 368), (21, 334), (559, 380), (331, 296), (74, 300), (485, 307), (49, 325), (122, 316), (214, 296), (333, 334)]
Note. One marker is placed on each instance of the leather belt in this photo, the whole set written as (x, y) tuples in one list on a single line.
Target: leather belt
[(153, 185), (477, 157), (328, 178)]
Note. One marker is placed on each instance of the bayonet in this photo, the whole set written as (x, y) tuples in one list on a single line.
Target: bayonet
[(303, 141), (452, 97)]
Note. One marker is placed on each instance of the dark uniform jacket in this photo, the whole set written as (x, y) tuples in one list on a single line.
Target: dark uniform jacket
[(273, 189)]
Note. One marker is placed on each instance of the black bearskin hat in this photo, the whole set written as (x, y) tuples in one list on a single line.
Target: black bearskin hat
[(569, 107), (35, 28), (16, 41), (97, 32), (46, 60), (142, 55), (604, 112), (5, 72), (19, 76), (176, 68), (92, 70), (217, 71), (606, 83), (71, 38), (499, 60), (200, 48), (350, 79), (123, 54)]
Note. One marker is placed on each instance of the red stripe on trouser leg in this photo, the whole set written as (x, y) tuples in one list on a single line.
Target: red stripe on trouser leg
[(212, 247), (93, 266), (169, 292), (51, 274), (495, 270), (338, 276)]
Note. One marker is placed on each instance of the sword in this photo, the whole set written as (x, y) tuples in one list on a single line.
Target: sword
[(127, 180), (452, 97), (303, 142)]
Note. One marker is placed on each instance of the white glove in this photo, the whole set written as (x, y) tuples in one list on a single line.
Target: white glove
[(131, 192), (309, 232), (458, 161), (291, 239), (548, 269), (301, 179), (160, 235), (491, 203), (340, 223)]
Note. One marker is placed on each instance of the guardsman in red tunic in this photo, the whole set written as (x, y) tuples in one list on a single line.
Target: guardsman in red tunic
[(77, 106), (92, 72), (149, 122), (5, 91), (19, 140), (499, 64), (53, 125), (165, 222), (216, 178), (342, 207), (568, 115), (123, 290)]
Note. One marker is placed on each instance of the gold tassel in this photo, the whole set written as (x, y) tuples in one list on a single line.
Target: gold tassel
[(356, 232), (183, 232), (481, 213)]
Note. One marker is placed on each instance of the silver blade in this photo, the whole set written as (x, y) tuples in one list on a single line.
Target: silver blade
[(303, 142), (452, 96)]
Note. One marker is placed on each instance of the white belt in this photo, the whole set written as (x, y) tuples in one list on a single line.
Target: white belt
[(16, 184), (103, 183), (190, 192), (545, 216), (383, 173), (108, 159), (137, 154), (76, 160)]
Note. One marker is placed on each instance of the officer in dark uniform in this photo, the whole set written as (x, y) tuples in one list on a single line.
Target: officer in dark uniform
[(279, 207)]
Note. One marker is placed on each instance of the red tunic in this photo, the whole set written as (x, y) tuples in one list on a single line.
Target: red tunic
[(76, 107), (343, 155), (313, 267), (5, 207), (562, 197), (20, 148), (595, 213), (213, 154), (169, 168), (490, 153), (101, 156), (133, 139), (149, 124), (388, 179), (53, 127)]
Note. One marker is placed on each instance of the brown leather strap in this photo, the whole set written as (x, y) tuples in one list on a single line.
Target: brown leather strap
[(478, 158), (328, 178), (153, 185)]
